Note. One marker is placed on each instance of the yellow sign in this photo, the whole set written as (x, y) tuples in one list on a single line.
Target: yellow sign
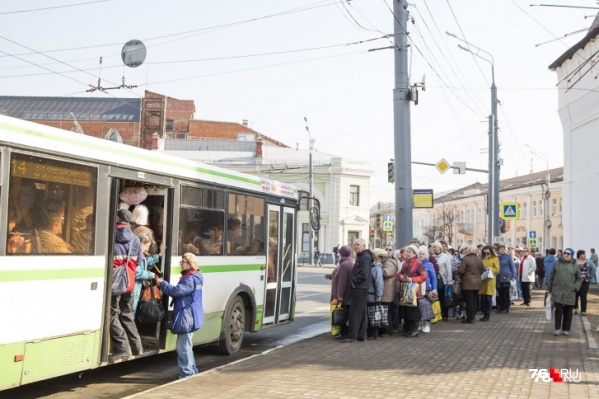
[(54, 174), (510, 211), (387, 226), (423, 198), (442, 165), (532, 243)]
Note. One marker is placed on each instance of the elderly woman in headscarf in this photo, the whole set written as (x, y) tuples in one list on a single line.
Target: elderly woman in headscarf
[(140, 224), (424, 306)]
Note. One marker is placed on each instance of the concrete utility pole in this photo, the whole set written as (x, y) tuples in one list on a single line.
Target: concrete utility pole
[(402, 133), (310, 201), (494, 163)]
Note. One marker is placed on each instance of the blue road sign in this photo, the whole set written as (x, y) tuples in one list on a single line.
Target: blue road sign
[(387, 217), (532, 234)]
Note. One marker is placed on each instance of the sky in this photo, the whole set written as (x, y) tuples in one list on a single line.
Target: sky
[(275, 62)]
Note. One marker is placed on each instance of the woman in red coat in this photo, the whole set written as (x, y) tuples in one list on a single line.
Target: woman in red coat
[(412, 271)]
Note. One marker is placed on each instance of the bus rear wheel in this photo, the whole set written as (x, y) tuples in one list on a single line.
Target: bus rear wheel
[(233, 327)]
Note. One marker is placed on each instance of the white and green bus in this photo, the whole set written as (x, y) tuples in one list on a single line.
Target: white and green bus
[(55, 302)]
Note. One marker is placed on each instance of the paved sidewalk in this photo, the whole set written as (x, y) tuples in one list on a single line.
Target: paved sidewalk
[(455, 360)]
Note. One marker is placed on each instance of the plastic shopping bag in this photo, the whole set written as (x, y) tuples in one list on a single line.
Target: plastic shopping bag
[(513, 290), (548, 307), (437, 310)]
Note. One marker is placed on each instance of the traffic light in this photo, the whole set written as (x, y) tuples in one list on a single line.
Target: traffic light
[(391, 172), (378, 221)]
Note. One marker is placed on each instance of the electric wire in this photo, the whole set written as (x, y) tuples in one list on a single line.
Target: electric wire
[(53, 7)]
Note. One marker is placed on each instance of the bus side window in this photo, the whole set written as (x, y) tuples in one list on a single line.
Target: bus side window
[(51, 206), (245, 214), (201, 221)]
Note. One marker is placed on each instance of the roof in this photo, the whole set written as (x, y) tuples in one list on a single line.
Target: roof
[(225, 130), (514, 183), (590, 36), (60, 108)]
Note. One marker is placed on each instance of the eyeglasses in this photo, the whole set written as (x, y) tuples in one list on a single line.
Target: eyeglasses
[(183, 261), (486, 253), (389, 249), (567, 253)]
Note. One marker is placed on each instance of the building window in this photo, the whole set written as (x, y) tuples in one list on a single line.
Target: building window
[(524, 211), (541, 206), (554, 207), (534, 208), (354, 195), (170, 123), (560, 206)]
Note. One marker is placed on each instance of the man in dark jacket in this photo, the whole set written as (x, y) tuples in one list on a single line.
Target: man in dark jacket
[(123, 331), (360, 281)]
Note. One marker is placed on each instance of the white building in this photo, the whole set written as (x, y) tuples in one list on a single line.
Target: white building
[(340, 185), (579, 113)]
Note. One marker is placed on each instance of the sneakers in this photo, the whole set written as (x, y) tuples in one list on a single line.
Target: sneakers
[(566, 332), (583, 313), (426, 327), (557, 332), (575, 310)]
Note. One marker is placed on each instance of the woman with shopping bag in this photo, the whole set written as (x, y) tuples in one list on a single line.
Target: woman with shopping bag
[(412, 272), (340, 291), (564, 281), (487, 288)]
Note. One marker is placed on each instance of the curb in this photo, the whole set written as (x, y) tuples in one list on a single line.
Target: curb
[(586, 325)]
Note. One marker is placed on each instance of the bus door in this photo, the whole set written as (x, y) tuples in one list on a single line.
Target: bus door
[(158, 199), (280, 268)]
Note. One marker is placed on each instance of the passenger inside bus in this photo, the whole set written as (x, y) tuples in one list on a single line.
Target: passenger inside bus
[(213, 245), (140, 225), (51, 242), (82, 238), (234, 239)]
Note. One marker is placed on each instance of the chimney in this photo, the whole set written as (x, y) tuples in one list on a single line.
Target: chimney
[(244, 122)]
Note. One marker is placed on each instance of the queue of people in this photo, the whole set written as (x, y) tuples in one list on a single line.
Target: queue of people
[(484, 278)]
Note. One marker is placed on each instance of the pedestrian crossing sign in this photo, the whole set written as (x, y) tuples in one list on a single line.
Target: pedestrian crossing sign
[(510, 210), (387, 226)]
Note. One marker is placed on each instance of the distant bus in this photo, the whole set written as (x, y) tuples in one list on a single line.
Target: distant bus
[(55, 302)]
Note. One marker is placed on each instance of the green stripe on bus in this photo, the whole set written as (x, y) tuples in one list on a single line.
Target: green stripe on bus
[(49, 274), (223, 268), (150, 157)]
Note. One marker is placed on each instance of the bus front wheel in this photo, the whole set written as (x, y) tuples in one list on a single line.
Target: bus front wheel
[(233, 327)]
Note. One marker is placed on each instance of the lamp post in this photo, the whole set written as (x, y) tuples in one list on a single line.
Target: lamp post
[(310, 202), (546, 195), (493, 194)]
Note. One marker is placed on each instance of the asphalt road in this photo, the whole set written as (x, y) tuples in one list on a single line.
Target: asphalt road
[(125, 379)]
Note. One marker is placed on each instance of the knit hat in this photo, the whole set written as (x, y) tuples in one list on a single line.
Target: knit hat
[(412, 248), (345, 251), (571, 251), (124, 215)]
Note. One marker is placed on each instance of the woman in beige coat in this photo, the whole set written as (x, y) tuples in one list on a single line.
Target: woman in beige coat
[(487, 287), (390, 269), (470, 270)]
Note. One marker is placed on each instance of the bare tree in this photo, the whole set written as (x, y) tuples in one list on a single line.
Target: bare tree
[(443, 224)]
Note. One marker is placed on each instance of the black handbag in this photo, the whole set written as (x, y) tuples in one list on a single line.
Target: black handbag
[(504, 278), (150, 311), (339, 317)]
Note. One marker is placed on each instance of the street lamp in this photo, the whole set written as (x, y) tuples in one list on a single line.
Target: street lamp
[(546, 195), (310, 202), (493, 194)]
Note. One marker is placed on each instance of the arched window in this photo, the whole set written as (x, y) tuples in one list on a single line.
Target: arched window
[(114, 135)]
